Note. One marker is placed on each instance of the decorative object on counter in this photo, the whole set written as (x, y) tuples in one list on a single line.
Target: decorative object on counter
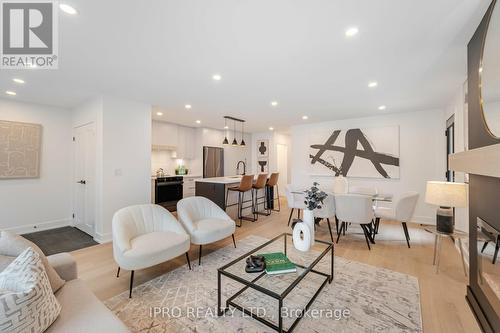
[(278, 263), (226, 127), (378, 145), (181, 170), (313, 200), (255, 264), (160, 173), (446, 195), (262, 148), (263, 165), (20, 148)]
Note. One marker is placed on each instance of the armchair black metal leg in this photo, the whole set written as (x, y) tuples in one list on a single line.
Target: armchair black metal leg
[(290, 218), (330, 228), (336, 224), (131, 284), (365, 230), (189, 262), (407, 235), (234, 242), (118, 273), (342, 225), (199, 258), (377, 223)]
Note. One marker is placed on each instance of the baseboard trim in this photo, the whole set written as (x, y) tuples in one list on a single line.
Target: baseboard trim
[(25, 229), (103, 238)]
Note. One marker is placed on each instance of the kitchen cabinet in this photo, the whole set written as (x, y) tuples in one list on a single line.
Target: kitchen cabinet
[(189, 186), (164, 134), (185, 142)]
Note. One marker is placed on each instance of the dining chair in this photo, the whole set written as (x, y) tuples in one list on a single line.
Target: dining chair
[(273, 195), (327, 211), (402, 212), (294, 200), (355, 209)]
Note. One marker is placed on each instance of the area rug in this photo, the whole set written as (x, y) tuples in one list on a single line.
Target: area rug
[(361, 298)]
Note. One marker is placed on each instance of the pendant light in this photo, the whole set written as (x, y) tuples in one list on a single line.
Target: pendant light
[(242, 132), (226, 141), (234, 143)]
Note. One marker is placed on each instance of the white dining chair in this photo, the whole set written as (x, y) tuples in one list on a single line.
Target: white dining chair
[(355, 209), (402, 211), (294, 200), (327, 211)]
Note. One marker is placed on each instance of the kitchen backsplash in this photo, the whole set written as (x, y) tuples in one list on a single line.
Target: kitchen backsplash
[(163, 159)]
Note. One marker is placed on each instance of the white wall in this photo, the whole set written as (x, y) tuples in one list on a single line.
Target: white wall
[(28, 205), (422, 155), (123, 156), (274, 139)]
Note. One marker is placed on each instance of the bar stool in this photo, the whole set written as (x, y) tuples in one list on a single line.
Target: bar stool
[(271, 183), (245, 186), (259, 185)]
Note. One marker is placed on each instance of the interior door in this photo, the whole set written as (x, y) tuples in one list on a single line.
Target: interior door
[(282, 157), (84, 178)]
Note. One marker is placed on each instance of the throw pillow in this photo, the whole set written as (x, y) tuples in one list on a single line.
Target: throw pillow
[(13, 245), (27, 303)]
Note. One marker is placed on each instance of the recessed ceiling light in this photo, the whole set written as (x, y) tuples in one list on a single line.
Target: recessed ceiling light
[(198, 121), (12, 93), (159, 113), (216, 77), (68, 9), (226, 127), (20, 81), (271, 128), (188, 106), (372, 84), (382, 107), (481, 69), (352, 31), (305, 117), (274, 103)]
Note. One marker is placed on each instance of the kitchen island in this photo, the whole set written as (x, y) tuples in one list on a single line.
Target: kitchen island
[(215, 189)]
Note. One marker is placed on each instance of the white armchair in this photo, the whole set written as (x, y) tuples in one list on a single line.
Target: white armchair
[(294, 200), (204, 221), (146, 235), (402, 212)]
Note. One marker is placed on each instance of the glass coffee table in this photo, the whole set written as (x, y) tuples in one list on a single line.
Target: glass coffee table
[(259, 286)]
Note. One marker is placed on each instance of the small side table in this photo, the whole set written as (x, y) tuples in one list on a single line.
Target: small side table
[(437, 244)]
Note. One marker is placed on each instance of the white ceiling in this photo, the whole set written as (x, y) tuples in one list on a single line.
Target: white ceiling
[(165, 53)]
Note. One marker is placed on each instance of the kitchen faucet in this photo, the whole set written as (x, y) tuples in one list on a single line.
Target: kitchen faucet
[(238, 168)]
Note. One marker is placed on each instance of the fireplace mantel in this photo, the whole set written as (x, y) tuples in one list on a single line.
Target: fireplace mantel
[(484, 161)]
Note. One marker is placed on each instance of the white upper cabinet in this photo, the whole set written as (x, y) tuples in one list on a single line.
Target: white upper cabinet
[(164, 134), (185, 142)]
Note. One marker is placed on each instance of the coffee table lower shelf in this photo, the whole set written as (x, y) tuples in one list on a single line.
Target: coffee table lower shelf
[(328, 278)]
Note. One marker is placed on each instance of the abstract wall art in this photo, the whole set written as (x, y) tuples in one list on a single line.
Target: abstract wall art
[(263, 165), (262, 148), (20, 145), (357, 152)]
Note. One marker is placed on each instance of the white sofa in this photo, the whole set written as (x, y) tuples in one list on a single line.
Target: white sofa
[(204, 221)]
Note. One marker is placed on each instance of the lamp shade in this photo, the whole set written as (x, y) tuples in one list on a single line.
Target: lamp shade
[(446, 194)]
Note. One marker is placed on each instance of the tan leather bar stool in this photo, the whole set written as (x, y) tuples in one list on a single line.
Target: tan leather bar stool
[(271, 183), (245, 186), (259, 185)]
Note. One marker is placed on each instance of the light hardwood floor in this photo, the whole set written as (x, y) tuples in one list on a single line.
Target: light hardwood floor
[(443, 304)]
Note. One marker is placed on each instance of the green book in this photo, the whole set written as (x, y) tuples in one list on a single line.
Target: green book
[(278, 263)]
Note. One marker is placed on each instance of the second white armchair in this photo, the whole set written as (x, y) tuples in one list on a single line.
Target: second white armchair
[(204, 221)]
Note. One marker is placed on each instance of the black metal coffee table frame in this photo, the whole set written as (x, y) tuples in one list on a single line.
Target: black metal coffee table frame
[(280, 297)]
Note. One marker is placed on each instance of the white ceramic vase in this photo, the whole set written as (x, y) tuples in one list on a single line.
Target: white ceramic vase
[(301, 237), (308, 220)]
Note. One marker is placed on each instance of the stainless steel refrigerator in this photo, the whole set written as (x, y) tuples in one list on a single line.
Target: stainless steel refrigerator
[(213, 162)]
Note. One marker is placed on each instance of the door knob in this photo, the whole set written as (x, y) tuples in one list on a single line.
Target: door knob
[(82, 182)]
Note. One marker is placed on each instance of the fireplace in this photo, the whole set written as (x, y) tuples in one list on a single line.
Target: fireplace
[(488, 267)]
